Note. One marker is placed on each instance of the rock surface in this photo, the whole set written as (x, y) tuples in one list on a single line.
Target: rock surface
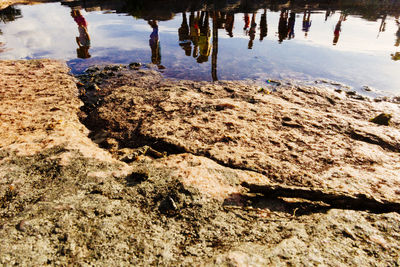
[(300, 136), (190, 148)]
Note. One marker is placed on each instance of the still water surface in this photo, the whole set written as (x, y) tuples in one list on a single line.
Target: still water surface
[(309, 44)]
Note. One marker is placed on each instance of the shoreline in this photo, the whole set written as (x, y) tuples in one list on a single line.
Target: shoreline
[(152, 171)]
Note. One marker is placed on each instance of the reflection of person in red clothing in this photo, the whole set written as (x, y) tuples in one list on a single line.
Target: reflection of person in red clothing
[(338, 29), (194, 32), (83, 40)]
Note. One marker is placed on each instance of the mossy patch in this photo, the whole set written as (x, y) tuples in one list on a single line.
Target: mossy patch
[(382, 119)]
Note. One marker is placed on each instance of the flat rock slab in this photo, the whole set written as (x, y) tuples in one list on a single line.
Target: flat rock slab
[(39, 108), (297, 136)]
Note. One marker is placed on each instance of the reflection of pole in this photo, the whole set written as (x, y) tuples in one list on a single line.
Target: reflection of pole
[(214, 49)]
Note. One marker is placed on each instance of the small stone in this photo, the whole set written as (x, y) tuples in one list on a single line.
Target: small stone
[(286, 118), (134, 65), (367, 88), (93, 87), (330, 100), (21, 226), (382, 119), (92, 69), (168, 206), (358, 97), (113, 67), (229, 90), (352, 93), (223, 106)]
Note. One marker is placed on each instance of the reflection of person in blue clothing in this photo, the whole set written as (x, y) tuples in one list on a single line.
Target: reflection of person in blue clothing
[(306, 22), (154, 43)]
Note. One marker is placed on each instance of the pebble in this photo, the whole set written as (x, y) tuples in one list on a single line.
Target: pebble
[(167, 206), (21, 226)]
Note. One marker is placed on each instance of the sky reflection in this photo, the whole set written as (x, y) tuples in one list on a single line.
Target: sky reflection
[(362, 54)]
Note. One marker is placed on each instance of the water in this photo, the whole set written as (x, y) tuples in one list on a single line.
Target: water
[(362, 53)]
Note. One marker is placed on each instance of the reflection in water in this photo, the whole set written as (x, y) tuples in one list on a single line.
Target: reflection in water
[(83, 40), (263, 25), (197, 41), (338, 29), (306, 21), (283, 25), (382, 27), (154, 43), (396, 56), (194, 32), (184, 37), (292, 20), (217, 21), (397, 34), (252, 31), (9, 14), (204, 39), (229, 21)]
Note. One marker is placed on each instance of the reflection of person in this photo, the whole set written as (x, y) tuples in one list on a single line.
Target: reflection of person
[(83, 40), (154, 43), (204, 39), (246, 22), (194, 32), (282, 26), (327, 14), (338, 29), (183, 32), (252, 31), (382, 27), (230, 18), (263, 25), (396, 56), (219, 18), (292, 20), (397, 34), (306, 22)]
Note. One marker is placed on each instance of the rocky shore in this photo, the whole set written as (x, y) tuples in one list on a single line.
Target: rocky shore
[(122, 166)]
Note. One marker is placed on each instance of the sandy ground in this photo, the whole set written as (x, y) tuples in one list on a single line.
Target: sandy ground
[(166, 186)]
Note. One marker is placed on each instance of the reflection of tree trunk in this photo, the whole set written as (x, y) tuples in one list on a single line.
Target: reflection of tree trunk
[(214, 49)]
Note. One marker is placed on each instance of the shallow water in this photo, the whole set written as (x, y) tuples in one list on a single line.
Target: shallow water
[(361, 54)]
